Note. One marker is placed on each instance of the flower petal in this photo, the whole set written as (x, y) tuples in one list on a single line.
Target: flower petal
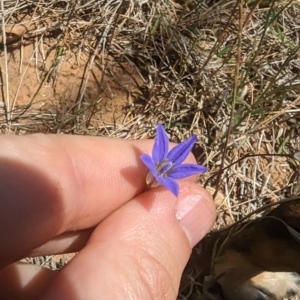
[(186, 170), (148, 161), (169, 183), (161, 145), (179, 153)]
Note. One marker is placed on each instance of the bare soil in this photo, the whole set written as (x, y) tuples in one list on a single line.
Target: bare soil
[(43, 80)]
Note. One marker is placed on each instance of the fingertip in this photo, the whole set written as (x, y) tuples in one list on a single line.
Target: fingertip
[(196, 211)]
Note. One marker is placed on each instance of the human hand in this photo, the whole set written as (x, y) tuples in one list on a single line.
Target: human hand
[(69, 193)]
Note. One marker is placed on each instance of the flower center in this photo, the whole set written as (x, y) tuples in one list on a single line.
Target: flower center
[(164, 168)]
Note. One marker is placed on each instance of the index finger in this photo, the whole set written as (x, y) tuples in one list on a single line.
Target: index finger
[(53, 184)]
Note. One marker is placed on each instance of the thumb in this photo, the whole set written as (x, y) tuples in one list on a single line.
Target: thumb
[(140, 250)]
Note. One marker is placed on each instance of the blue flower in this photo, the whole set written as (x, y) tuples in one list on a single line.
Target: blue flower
[(166, 166)]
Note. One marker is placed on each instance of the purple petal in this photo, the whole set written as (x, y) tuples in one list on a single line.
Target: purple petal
[(186, 170), (148, 161), (179, 153), (161, 145), (169, 183)]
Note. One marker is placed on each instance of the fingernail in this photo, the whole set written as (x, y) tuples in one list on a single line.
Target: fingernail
[(195, 214)]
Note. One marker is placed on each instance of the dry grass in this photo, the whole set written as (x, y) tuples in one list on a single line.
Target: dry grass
[(227, 71)]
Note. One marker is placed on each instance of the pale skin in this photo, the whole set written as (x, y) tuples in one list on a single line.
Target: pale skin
[(64, 193)]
